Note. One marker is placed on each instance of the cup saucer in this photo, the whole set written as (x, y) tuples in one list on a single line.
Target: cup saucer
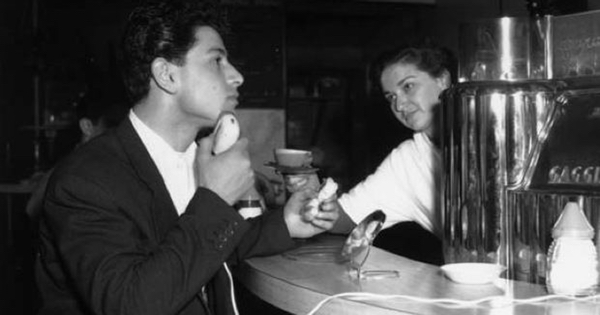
[(291, 170)]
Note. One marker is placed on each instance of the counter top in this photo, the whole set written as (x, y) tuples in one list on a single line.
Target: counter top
[(298, 280)]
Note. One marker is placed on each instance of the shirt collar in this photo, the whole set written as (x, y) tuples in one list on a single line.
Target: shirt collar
[(161, 152)]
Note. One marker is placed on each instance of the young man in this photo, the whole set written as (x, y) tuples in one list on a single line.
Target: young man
[(140, 219)]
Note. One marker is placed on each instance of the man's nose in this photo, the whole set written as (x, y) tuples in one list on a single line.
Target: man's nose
[(235, 77)]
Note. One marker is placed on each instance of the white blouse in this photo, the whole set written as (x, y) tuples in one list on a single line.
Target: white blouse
[(405, 187)]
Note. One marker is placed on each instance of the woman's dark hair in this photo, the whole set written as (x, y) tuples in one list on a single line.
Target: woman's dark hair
[(434, 60), (163, 28)]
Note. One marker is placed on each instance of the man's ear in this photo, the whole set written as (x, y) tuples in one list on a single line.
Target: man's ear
[(163, 74), (86, 126)]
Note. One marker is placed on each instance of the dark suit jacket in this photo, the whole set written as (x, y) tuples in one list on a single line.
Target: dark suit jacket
[(113, 243)]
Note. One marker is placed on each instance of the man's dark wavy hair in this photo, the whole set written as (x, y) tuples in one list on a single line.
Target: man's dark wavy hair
[(163, 28), (427, 57)]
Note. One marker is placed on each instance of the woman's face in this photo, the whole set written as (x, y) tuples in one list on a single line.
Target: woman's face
[(413, 95)]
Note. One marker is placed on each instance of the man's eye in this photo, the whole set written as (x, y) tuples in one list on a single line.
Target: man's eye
[(408, 86), (218, 61)]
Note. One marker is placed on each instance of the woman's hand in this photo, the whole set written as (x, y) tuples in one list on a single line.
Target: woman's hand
[(298, 227)]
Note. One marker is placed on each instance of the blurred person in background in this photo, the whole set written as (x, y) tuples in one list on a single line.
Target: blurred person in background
[(100, 109)]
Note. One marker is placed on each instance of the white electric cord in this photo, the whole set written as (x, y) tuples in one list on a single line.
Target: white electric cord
[(233, 303), (495, 301)]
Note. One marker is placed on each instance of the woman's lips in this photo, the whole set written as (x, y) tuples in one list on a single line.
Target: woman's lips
[(408, 114)]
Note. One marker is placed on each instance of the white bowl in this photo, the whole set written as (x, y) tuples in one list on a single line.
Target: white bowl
[(473, 273)]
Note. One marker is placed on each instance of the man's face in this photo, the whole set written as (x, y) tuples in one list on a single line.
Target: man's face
[(208, 82), (413, 95)]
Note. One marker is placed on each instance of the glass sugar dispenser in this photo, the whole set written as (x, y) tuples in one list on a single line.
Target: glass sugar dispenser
[(572, 258)]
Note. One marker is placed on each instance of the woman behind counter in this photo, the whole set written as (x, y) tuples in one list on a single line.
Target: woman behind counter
[(405, 185)]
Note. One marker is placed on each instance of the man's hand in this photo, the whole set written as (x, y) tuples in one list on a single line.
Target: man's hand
[(228, 174), (322, 221)]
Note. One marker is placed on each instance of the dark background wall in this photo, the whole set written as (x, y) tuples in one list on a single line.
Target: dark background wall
[(308, 57), (76, 43)]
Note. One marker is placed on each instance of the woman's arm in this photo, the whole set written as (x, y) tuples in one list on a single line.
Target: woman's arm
[(344, 224)]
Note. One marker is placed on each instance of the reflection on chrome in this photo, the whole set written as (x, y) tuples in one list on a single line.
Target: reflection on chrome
[(489, 132)]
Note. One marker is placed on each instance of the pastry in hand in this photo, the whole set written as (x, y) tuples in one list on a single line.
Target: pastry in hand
[(327, 192)]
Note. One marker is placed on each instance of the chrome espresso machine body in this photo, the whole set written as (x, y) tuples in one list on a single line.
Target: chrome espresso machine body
[(521, 137)]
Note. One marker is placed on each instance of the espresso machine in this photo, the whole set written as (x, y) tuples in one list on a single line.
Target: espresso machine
[(521, 138)]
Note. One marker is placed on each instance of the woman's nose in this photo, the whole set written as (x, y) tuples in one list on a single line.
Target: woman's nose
[(399, 103)]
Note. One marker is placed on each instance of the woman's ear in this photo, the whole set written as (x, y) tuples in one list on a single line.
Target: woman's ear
[(163, 73), (444, 80)]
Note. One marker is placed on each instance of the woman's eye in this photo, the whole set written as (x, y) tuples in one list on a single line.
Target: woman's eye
[(390, 98)]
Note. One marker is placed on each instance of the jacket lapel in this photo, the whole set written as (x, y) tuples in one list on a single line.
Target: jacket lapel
[(163, 210)]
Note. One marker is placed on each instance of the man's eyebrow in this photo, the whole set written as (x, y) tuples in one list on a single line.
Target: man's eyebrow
[(218, 50)]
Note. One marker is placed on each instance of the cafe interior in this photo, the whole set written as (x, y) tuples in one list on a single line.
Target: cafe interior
[(309, 85)]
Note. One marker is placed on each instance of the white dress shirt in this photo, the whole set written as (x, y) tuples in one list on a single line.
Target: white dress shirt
[(176, 168)]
